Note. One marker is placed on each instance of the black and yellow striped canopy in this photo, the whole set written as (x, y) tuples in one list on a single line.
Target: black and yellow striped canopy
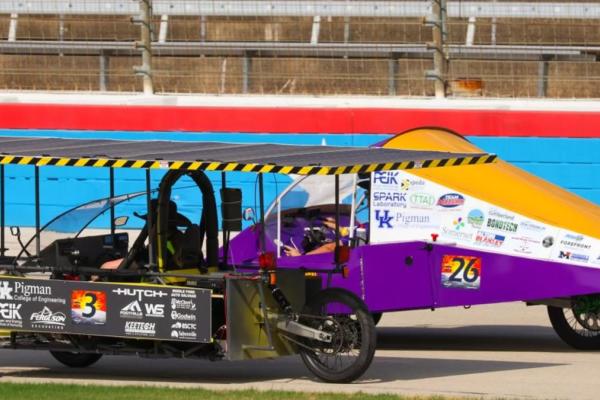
[(215, 156)]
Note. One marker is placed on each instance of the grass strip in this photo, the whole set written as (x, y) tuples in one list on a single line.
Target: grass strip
[(52, 391)]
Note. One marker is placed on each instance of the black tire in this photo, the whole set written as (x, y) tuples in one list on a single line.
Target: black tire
[(376, 317), (571, 331), (76, 360), (353, 332)]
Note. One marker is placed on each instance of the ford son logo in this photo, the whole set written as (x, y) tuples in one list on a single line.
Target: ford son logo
[(451, 200)]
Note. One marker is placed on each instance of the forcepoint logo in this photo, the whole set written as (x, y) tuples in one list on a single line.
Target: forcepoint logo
[(5, 291)]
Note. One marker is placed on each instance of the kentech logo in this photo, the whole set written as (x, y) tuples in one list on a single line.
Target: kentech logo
[(5, 291)]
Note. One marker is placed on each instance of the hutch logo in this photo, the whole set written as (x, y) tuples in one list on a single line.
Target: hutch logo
[(451, 200)]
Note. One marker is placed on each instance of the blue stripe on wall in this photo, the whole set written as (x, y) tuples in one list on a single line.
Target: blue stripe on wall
[(571, 163)]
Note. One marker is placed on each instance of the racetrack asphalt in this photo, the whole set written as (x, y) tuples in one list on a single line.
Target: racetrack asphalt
[(506, 350)]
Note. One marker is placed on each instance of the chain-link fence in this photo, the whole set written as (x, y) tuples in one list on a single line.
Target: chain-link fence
[(318, 47)]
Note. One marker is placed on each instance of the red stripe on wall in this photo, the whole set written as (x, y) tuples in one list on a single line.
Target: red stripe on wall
[(298, 120)]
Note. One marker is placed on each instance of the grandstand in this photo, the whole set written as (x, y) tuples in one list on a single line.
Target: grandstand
[(317, 47)]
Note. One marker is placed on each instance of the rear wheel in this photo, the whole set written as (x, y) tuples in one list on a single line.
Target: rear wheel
[(352, 347), (578, 326), (76, 360)]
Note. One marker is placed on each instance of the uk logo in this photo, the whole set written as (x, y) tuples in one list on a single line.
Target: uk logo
[(384, 218), (5, 291)]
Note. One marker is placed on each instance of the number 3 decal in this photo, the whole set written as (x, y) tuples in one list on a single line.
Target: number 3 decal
[(89, 301), (461, 272)]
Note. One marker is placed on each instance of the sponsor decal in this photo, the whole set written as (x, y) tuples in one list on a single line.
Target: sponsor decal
[(29, 292), (422, 200), (5, 291), (567, 255), (179, 304), (575, 241), (184, 325), (532, 227), (389, 199), (489, 239), (140, 293), (415, 220), (48, 319), (384, 218), (462, 272), (577, 238), (501, 214), (596, 260), (575, 245), (190, 294), (524, 244), (385, 177), (502, 225), (10, 315), (139, 328), (180, 316), (548, 241), (132, 310), (155, 310), (451, 200), (408, 184), (454, 234), (183, 334), (88, 307), (458, 224), (475, 218)]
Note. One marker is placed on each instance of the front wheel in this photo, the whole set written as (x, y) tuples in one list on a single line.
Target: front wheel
[(352, 347), (578, 326), (76, 360)]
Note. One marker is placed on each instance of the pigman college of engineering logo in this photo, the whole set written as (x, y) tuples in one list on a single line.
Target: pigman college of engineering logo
[(5, 291)]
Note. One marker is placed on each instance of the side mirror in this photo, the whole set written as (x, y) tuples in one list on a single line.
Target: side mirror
[(249, 215), (15, 231), (120, 221)]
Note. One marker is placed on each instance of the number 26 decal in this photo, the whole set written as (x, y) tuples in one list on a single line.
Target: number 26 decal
[(461, 272)]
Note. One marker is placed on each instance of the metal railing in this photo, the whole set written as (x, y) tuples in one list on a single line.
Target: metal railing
[(433, 13), (323, 8)]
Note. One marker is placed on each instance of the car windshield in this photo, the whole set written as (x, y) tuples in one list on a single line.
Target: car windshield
[(305, 204), (74, 221)]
